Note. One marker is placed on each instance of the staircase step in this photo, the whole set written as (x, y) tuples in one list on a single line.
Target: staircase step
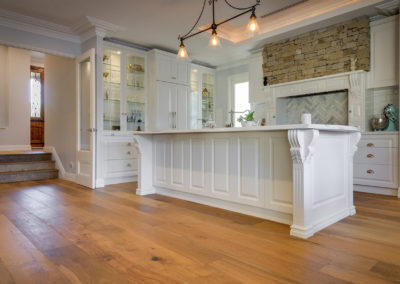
[(28, 175), (26, 166), (25, 157)]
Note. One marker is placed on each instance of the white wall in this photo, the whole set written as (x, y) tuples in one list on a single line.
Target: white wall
[(3, 87), (60, 113), (222, 91), (16, 86)]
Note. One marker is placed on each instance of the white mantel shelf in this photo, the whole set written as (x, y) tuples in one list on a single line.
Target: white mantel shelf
[(320, 127), (301, 175)]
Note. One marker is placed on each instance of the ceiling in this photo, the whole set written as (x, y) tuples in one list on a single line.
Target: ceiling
[(158, 23)]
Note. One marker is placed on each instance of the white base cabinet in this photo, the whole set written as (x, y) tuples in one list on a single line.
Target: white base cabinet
[(376, 164), (121, 164)]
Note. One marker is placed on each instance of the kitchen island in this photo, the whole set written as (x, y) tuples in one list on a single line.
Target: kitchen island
[(301, 175)]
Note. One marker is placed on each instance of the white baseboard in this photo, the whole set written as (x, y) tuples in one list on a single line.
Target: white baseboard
[(263, 213), (100, 183), (59, 166), (117, 180), (15, 147), (377, 190)]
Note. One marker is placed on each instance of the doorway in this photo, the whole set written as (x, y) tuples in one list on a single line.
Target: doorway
[(37, 106)]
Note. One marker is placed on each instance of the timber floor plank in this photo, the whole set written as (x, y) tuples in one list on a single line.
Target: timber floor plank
[(55, 231)]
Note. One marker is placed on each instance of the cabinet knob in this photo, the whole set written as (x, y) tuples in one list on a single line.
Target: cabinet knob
[(370, 172), (129, 144), (128, 165), (129, 152), (370, 156), (173, 77), (370, 145)]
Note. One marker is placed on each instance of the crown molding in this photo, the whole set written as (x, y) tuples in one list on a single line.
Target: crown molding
[(33, 25), (86, 28)]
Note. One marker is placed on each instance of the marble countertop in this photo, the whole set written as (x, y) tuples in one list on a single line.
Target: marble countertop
[(321, 127)]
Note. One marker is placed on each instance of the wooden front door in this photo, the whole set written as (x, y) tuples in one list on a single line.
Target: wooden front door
[(37, 106)]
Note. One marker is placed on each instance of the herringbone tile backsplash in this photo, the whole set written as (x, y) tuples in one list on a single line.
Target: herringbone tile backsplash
[(329, 108)]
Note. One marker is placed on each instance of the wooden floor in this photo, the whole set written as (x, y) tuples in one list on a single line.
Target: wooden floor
[(57, 232)]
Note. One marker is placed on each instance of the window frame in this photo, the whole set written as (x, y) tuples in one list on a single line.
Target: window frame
[(38, 69), (236, 79)]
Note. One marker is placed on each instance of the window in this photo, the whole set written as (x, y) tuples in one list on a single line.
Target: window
[(36, 92), (239, 96)]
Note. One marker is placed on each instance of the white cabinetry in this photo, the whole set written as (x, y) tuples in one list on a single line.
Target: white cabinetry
[(169, 99), (172, 106), (376, 164), (249, 169), (169, 69), (384, 53), (256, 93), (121, 163)]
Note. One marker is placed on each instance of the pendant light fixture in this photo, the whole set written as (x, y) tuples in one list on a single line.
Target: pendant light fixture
[(214, 40)]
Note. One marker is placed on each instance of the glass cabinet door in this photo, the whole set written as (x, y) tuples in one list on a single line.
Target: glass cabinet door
[(111, 89), (195, 100), (207, 95), (135, 92)]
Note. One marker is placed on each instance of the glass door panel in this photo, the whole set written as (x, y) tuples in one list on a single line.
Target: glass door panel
[(84, 105), (135, 92), (112, 89), (196, 120), (207, 94)]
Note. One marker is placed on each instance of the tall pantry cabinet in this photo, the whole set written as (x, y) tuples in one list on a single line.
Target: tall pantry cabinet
[(169, 91)]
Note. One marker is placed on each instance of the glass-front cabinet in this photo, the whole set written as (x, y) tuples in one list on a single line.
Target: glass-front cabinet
[(124, 89), (201, 95)]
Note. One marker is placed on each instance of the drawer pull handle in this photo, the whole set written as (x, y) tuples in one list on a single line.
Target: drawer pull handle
[(129, 144), (370, 172), (128, 165), (129, 152), (370, 145), (173, 77), (370, 156)]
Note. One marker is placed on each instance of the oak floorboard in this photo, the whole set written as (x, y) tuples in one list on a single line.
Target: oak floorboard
[(62, 232)]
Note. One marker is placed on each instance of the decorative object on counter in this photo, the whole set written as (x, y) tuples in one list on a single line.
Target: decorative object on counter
[(306, 118), (248, 119), (228, 124), (392, 115), (379, 122), (265, 82), (210, 123), (116, 127), (214, 40), (263, 122), (138, 127)]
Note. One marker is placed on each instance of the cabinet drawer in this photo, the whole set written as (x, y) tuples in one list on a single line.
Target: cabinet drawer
[(120, 150), (127, 165), (115, 153), (376, 156), (378, 142), (376, 175)]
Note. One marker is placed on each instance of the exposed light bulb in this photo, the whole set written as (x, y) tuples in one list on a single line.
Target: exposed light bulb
[(253, 25), (182, 53), (214, 40)]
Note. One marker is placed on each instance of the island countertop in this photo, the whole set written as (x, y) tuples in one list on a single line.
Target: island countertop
[(321, 127)]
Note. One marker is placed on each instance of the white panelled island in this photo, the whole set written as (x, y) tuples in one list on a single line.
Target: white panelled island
[(301, 175)]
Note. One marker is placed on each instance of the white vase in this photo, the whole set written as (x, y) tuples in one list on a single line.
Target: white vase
[(250, 123)]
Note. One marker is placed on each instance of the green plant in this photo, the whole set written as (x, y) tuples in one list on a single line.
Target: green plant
[(247, 117)]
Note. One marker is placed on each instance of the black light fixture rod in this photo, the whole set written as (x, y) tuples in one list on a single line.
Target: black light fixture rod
[(216, 25), (234, 17)]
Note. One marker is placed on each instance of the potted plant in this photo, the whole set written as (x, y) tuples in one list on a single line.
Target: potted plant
[(247, 119)]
